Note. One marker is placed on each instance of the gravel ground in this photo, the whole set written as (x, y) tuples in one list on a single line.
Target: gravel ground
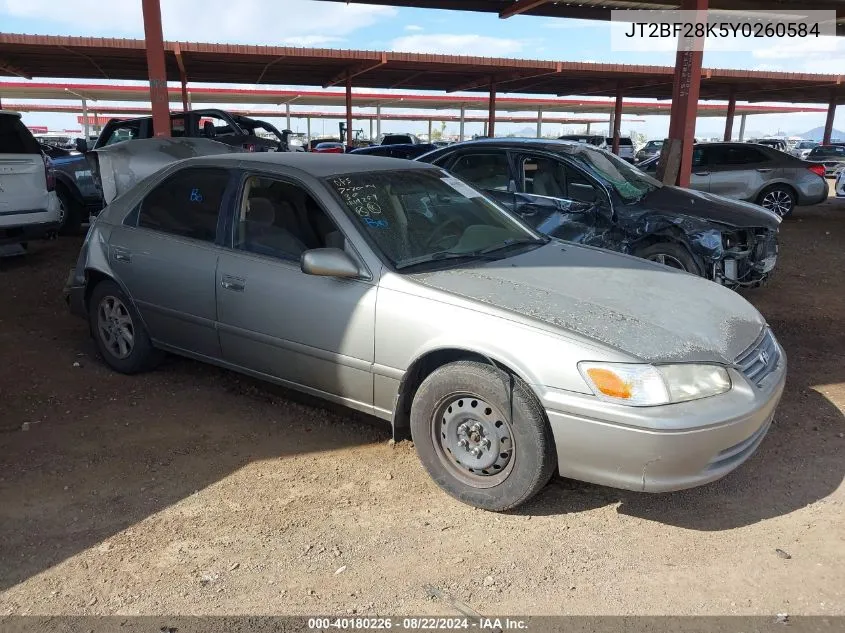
[(192, 490)]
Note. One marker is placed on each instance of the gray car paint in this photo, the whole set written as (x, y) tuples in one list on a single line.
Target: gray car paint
[(354, 341)]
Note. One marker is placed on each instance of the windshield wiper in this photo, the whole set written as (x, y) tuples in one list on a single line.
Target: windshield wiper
[(440, 256), (513, 242)]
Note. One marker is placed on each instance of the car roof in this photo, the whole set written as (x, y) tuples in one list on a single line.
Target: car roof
[(319, 165), (553, 145), (11, 113)]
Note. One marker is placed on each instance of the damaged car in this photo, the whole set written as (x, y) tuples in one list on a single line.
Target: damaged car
[(586, 195), (506, 354)]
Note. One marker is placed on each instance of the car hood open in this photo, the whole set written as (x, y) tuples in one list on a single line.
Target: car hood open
[(708, 206), (644, 309)]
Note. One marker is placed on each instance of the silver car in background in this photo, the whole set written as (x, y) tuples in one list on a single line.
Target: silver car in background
[(754, 173), (396, 289), (831, 156)]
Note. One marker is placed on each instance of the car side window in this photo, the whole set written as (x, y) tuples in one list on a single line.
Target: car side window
[(485, 171), (212, 126), (280, 219), (543, 177), (124, 132), (186, 203), (733, 156)]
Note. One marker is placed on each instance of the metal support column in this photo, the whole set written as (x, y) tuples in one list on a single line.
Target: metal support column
[(378, 121), (85, 118), (348, 108), (308, 132), (539, 122), (729, 118), (491, 112), (617, 119), (429, 130), (676, 157), (588, 126), (154, 42), (828, 124), (287, 115), (461, 131), (742, 118)]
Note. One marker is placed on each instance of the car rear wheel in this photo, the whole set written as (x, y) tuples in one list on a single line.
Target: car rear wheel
[(778, 199), (69, 215), (672, 255), (482, 435), (121, 337)]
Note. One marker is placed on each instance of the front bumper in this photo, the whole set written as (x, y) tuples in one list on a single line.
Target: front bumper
[(661, 449), (74, 294), (28, 232)]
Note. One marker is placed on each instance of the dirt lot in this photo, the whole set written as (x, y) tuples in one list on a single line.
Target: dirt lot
[(192, 490)]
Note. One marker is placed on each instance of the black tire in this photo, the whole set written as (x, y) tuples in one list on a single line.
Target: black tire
[(531, 456), (779, 199), (142, 356), (670, 254), (71, 219)]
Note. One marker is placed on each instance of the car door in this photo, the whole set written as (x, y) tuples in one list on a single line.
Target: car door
[(488, 170), (166, 254), (700, 176), (23, 175), (555, 197), (739, 171), (312, 331)]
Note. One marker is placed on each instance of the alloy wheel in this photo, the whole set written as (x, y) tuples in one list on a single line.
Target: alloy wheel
[(778, 201), (115, 327)]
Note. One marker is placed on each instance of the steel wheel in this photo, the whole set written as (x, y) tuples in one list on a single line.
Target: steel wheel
[(115, 327), (668, 260), (779, 201), (473, 440)]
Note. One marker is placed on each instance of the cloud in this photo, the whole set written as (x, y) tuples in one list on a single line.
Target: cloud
[(414, 27), (453, 44), (294, 22)]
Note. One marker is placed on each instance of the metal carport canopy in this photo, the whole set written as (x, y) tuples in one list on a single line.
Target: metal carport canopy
[(399, 100), (28, 56), (601, 9)]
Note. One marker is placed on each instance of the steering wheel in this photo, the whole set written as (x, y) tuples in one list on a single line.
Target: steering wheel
[(439, 232)]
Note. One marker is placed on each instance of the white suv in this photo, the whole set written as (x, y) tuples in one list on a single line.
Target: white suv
[(29, 208)]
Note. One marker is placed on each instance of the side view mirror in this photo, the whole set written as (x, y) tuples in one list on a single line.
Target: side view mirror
[(328, 262), (81, 145)]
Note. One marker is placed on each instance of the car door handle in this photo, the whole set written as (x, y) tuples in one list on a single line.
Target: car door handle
[(236, 284), (702, 173), (764, 170), (122, 255)]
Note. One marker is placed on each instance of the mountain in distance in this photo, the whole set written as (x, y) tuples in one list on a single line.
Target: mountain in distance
[(817, 134)]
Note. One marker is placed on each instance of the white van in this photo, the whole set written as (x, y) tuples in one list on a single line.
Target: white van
[(29, 208)]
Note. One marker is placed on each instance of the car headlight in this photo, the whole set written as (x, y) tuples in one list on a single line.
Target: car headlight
[(640, 385)]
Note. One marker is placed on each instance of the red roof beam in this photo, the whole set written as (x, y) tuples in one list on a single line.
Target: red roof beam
[(351, 73), (520, 6)]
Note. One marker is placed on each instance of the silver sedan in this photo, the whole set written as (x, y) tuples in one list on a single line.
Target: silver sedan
[(395, 289)]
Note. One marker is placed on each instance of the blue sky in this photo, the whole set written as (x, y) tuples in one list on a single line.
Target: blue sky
[(336, 25)]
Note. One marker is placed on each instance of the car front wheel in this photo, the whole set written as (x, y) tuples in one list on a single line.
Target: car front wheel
[(777, 198), (672, 255), (121, 337), (482, 435)]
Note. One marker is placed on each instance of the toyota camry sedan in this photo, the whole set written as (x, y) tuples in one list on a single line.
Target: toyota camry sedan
[(398, 290)]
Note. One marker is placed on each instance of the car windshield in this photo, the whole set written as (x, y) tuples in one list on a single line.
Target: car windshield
[(654, 145), (418, 216), (629, 182), (806, 145)]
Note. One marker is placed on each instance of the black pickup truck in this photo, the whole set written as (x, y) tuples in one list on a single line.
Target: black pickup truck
[(78, 191)]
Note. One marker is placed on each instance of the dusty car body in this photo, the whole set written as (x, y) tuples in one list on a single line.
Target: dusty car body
[(421, 301), (840, 184), (585, 195)]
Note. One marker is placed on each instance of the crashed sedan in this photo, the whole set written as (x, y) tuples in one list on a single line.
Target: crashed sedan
[(587, 195), (393, 288)]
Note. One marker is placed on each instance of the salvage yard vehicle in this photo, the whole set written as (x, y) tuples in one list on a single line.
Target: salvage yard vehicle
[(578, 193), (754, 173), (649, 150), (408, 151), (396, 289), (75, 185), (626, 145), (831, 156), (29, 208), (840, 184)]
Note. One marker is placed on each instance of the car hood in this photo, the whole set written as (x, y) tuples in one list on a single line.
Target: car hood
[(708, 206), (638, 307)]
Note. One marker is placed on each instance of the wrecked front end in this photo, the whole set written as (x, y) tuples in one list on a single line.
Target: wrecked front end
[(745, 258)]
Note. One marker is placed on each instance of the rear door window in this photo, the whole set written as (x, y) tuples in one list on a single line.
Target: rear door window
[(126, 131), (485, 171), (734, 156), (15, 138), (186, 203)]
